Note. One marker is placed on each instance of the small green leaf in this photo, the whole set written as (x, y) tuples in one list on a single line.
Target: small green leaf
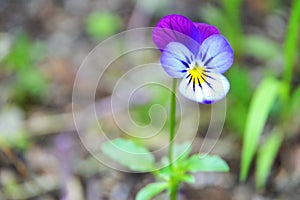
[(266, 156), (188, 178), (260, 107), (23, 54), (206, 163), (100, 25), (164, 173), (151, 190), (129, 154)]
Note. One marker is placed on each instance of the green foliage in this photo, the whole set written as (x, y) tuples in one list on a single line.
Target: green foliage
[(232, 11), (290, 45), (100, 25), (180, 170), (266, 156), (260, 106), (21, 61), (261, 47), (228, 20), (23, 53), (138, 158), (239, 98), (134, 156), (196, 163), (206, 163), (151, 190), (187, 178), (30, 84), (176, 173), (295, 101)]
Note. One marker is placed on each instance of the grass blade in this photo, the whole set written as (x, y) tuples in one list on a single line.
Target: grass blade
[(290, 44), (151, 190), (266, 156), (260, 107)]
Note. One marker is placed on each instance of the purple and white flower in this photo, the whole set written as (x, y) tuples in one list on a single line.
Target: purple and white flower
[(197, 53)]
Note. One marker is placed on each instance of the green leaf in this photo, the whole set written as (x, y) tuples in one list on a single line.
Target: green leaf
[(290, 43), (21, 60), (206, 163), (23, 54), (133, 156), (260, 107), (295, 101), (261, 47), (151, 190), (100, 25), (266, 156), (32, 82), (164, 173), (188, 178), (19, 56)]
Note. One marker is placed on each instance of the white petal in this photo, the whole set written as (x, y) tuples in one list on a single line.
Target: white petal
[(176, 59), (215, 88)]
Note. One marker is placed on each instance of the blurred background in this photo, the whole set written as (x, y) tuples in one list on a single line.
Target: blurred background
[(44, 42)]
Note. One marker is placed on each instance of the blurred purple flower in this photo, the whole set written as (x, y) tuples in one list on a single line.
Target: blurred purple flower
[(197, 53)]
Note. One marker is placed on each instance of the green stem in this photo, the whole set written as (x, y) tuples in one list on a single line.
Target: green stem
[(172, 120), (173, 194), (174, 184)]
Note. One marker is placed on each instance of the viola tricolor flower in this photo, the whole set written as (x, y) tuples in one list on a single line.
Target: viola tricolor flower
[(197, 53)]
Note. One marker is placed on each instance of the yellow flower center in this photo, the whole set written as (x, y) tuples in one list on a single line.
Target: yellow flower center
[(197, 75)]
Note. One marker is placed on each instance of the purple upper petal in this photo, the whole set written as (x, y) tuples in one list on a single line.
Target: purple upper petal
[(205, 30), (176, 28)]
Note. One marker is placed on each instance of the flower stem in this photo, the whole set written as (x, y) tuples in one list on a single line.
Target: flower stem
[(174, 184), (173, 194), (172, 120)]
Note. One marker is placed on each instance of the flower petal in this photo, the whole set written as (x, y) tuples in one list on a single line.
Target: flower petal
[(176, 28), (176, 59), (216, 53), (215, 88), (205, 30)]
